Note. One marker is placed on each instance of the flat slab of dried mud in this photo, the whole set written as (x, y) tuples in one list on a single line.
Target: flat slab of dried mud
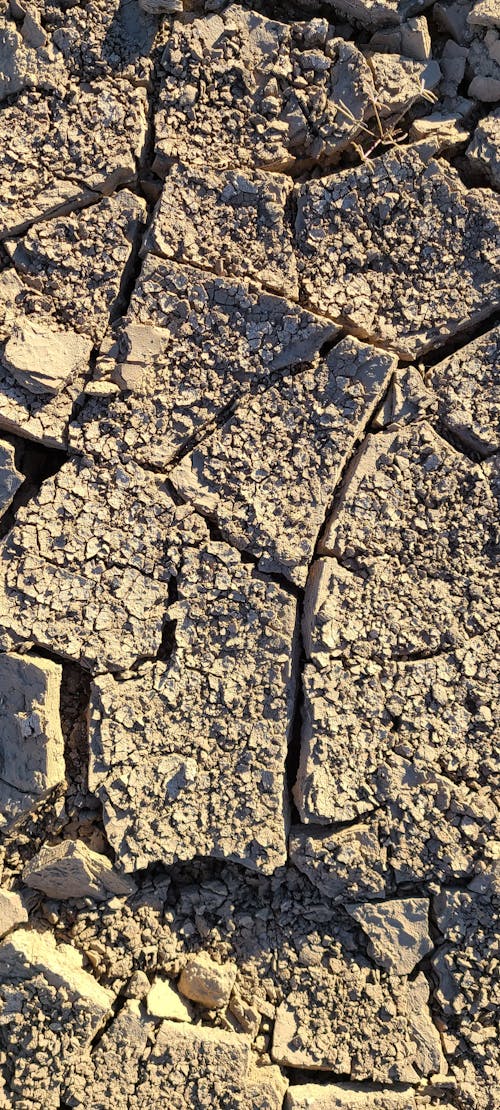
[(249, 486)]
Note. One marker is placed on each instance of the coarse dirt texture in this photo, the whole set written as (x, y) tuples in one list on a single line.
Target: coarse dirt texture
[(249, 545)]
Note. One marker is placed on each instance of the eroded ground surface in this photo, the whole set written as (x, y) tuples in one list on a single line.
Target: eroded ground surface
[(249, 485)]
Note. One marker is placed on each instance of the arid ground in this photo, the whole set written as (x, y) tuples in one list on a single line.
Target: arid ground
[(249, 485)]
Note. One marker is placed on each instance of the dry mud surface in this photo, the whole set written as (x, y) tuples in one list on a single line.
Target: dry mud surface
[(249, 485)]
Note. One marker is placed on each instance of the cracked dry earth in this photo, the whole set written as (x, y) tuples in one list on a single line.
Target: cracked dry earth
[(249, 484)]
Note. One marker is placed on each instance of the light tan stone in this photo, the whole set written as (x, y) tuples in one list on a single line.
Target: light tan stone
[(163, 1001), (206, 982), (31, 740), (43, 360)]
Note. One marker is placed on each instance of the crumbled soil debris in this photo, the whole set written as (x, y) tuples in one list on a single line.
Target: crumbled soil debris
[(249, 488)]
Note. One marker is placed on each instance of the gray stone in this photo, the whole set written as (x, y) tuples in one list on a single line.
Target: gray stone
[(12, 911), (484, 150), (10, 477), (397, 931), (72, 870), (31, 745)]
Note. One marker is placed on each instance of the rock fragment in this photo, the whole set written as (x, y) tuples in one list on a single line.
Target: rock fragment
[(228, 688), (484, 150), (366, 256), (340, 1096), (365, 632), (444, 710), (415, 39), (31, 744), (436, 830), (468, 391), (41, 359), (401, 82), (371, 13), (330, 1021), (467, 993), (346, 865), (391, 677), (407, 399), (483, 66), (197, 1066), (63, 152), (397, 931), (112, 39), (258, 94), (269, 474), (12, 912), (266, 1088), (446, 129), (484, 13), (216, 341), (206, 982), (231, 223), (10, 477), (108, 1076), (72, 870), (163, 1001)]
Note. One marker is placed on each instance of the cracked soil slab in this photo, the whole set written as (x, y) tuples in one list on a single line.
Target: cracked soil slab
[(229, 686), (399, 251)]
